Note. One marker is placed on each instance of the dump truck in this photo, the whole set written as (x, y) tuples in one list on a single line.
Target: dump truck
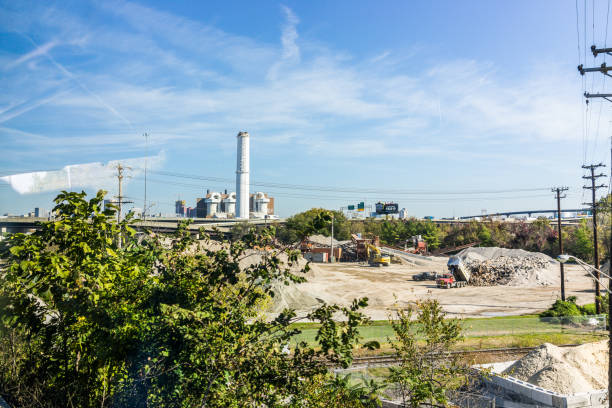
[(458, 277), (376, 258)]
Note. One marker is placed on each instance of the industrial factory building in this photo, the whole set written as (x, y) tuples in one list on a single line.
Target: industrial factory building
[(232, 205), (223, 205)]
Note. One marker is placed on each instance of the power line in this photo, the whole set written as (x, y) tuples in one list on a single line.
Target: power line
[(347, 190)]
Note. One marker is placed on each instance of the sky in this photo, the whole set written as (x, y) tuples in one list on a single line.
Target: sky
[(447, 108)]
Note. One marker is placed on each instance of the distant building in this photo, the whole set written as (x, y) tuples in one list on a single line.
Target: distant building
[(40, 212), (200, 208), (179, 208), (223, 205), (403, 214)]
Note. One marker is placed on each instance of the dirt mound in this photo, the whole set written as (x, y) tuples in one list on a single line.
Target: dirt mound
[(515, 267), (566, 370), (323, 241)]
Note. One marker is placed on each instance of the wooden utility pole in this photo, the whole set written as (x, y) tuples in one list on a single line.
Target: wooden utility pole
[(604, 70), (593, 177), (558, 191)]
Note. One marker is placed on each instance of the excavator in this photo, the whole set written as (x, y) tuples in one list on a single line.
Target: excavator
[(376, 258)]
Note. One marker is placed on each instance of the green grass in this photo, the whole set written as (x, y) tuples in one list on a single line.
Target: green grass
[(515, 331)]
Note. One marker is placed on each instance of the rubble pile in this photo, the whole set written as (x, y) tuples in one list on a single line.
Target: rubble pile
[(491, 266), (504, 269)]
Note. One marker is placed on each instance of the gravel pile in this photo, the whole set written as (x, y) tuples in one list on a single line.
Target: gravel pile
[(515, 267), (566, 370)]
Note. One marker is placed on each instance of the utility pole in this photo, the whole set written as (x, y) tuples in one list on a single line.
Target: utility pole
[(331, 253), (144, 208), (604, 70), (558, 191), (593, 177), (120, 200)]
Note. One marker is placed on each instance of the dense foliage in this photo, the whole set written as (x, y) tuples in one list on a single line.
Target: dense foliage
[(158, 321), (539, 236), (427, 371)]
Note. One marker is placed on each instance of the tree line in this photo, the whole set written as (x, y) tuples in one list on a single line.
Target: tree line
[(540, 235)]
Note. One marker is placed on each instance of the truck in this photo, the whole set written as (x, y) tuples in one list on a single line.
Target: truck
[(458, 276), (423, 276)]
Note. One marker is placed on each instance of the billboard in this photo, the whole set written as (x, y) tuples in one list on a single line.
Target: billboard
[(387, 208)]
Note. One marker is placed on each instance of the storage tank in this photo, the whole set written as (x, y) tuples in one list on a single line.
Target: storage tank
[(212, 203), (229, 203), (261, 203)]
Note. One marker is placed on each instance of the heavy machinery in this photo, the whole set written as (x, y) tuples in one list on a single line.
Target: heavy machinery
[(376, 258), (416, 245), (458, 277)]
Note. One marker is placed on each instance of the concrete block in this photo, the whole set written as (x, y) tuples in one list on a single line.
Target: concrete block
[(559, 401), (582, 399), (542, 396), (599, 398)]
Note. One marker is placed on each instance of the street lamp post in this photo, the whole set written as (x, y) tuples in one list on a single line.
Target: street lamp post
[(331, 252), (563, 259)]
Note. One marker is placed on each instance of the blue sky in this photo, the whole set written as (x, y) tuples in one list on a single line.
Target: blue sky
[(446, 107)]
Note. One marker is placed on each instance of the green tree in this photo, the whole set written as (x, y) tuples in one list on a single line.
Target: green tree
[(161, 321), (311, 222), (427, 370), (581, 242)]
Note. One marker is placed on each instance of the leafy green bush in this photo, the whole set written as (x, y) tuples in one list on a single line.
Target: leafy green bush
[(159, 322), (588, 309), (563, 308)]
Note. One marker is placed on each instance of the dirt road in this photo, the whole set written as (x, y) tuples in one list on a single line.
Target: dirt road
[(393, 285)]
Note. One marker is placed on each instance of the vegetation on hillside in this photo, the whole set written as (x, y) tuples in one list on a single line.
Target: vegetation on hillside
[(538, 236), (158, 321), (93, 314)]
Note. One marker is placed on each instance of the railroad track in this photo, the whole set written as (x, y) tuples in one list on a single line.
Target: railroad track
[(481, 356)]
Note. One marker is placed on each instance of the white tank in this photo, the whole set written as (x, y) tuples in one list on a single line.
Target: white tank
[(261, 203), (212, 203), (230, 204), (242, 176)]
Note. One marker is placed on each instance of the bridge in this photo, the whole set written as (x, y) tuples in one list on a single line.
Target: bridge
[(528, 212), (13, 225)]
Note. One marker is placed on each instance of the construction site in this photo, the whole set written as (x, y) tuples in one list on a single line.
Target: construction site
[(499, 281)]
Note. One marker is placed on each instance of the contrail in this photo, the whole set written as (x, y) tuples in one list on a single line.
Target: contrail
[(81, 84)]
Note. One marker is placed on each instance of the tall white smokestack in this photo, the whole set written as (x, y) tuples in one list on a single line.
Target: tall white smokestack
[(242, 176)]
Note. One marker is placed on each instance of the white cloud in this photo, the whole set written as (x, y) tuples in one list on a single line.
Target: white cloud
[(179, 78)]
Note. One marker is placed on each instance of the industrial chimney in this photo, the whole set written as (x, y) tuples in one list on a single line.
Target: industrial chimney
[(242, 176)]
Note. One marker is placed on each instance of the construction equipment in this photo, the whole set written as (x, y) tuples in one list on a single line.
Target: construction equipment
[(458, 277), (419, 245), (375, 257)]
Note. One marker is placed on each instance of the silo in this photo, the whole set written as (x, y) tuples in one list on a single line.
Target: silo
[(212, 202), (229, 203), (261, 203), (242, 176)]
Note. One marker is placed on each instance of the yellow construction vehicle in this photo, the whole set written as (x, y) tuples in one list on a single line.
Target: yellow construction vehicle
[(376, 258)]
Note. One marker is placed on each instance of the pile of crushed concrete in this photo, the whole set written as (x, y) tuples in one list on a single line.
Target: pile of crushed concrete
[(289, 295), (491, 266), (566, 370)]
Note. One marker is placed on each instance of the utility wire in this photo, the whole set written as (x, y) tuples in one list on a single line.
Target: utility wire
[(347, 190)]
